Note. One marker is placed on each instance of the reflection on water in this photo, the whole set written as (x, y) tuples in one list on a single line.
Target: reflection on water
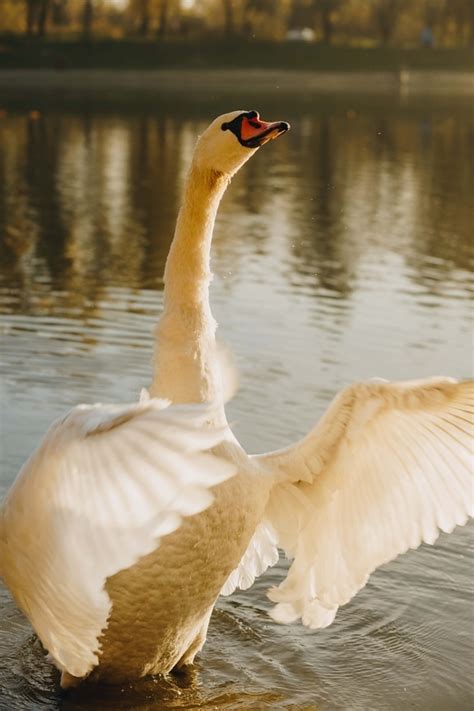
[(342, 251)]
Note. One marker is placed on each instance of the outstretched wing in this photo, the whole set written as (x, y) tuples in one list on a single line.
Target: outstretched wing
[(387, 467), (104, 486)]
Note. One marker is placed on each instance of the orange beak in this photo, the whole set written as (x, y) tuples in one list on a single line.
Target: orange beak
[(255, 132), (252, 132)]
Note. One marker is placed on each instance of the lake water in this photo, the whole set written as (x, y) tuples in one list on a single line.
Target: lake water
[(342, 251)]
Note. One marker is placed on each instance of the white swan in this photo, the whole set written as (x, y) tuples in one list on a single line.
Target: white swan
[(93, 543)]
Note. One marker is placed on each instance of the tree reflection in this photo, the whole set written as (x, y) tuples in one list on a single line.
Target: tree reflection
[(322, 251), (91, 199)]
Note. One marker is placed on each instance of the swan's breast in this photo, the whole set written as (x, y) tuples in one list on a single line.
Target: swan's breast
[(161, 603)]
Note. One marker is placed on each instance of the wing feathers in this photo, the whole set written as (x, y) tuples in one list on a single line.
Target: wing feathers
[(106, 483), (261, 554), (387, 467)]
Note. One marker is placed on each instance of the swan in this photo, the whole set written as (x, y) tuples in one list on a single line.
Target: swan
[(127, 523)]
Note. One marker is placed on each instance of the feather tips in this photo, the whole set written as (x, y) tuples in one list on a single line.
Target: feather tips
[(261, 554), (390, 466)]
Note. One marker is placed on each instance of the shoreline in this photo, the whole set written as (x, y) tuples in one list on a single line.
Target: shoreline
[(439, 82)]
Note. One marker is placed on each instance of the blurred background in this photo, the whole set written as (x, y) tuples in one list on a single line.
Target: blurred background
[(446, 23), (342, 251)]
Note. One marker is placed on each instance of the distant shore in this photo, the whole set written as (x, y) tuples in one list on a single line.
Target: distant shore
[(234, 65), (222, 80), (210, 53)]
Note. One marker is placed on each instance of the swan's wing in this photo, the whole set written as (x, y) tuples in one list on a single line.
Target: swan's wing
[(105, 484), (387, 467), (262, 553)]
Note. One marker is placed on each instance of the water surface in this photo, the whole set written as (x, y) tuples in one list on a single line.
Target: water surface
[(342, 251)]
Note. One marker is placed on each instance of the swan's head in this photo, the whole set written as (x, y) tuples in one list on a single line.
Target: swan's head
[(233, 138)]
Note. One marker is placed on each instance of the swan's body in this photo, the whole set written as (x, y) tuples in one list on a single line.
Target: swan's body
[(174, 614), (110, 540)]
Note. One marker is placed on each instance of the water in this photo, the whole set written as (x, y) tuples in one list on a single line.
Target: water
[(342, 251)]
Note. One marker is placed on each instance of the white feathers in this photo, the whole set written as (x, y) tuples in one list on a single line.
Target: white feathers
[(228, 372), (144, 395), (261, 554), (387, 467), (105, 484)]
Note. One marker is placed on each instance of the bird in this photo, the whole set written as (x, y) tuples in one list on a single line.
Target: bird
[(129, 521)]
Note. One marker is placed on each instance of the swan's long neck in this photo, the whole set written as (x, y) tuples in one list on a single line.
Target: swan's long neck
[(185, 363)]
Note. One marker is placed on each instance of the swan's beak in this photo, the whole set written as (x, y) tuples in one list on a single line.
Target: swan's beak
[(252, 132)]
